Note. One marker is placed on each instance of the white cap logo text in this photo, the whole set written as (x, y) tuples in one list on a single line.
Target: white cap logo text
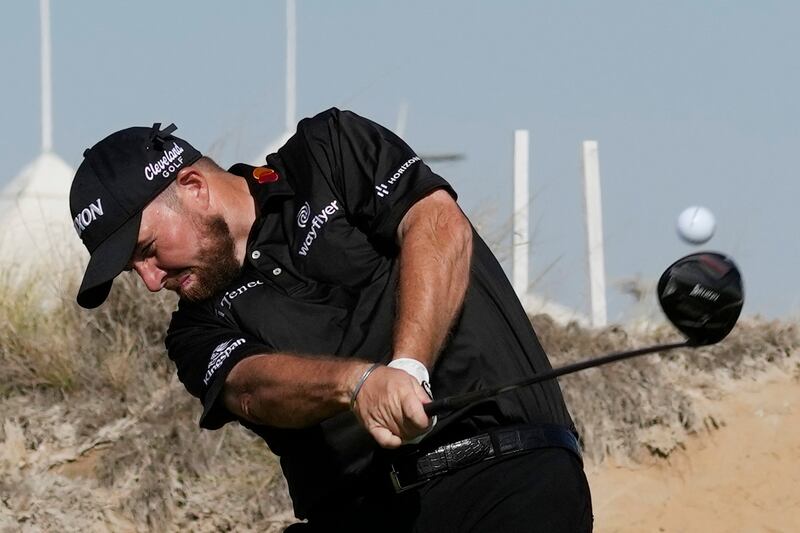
[(88, 215), (169, 163)]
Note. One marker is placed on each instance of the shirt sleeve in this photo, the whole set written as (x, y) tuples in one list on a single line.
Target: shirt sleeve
[(205, 348), (376, 174)]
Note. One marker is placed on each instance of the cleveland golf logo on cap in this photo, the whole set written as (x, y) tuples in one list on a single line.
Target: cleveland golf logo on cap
[(169, 163), (87, 215)]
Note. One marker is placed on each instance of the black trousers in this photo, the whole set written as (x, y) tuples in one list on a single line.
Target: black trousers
[(541, 490)]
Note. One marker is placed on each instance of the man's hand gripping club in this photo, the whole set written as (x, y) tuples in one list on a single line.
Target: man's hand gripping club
[(389, 402)]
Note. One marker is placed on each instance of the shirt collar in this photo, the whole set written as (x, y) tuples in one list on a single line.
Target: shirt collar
[(265, 182)]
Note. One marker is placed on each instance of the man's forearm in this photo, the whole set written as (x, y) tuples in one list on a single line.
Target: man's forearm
[(436, 247), (291, 391)]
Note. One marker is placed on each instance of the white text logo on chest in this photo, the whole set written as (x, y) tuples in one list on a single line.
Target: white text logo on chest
[(316, 224), (230, 295)]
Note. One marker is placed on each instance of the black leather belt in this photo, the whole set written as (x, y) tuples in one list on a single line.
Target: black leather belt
[(415, 470)]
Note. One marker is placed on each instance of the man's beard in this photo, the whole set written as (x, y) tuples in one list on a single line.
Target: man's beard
[(217, 265)]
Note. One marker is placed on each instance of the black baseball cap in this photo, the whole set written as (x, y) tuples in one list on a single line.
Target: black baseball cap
[(119, 176)]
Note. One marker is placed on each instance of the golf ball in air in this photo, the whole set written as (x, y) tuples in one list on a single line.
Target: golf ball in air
[(696, 224)]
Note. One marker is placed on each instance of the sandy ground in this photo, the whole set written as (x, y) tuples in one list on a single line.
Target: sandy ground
[(743, 477)]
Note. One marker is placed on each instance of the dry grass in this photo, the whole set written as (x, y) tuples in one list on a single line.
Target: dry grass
[(98, 435), (96, 421)]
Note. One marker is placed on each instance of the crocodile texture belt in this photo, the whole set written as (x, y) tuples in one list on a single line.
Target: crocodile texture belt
[(415, 470)]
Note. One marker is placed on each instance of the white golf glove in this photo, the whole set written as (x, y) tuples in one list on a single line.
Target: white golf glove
[(420, 373)]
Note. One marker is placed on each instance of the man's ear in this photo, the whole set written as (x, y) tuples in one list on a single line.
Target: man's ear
[(192, 187)]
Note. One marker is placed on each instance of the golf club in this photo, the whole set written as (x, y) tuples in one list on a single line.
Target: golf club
[(701, 295)]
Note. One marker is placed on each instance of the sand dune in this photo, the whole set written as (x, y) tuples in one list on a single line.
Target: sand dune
[(743, 477)]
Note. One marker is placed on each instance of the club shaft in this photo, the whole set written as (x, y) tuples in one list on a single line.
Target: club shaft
[(451, 403)]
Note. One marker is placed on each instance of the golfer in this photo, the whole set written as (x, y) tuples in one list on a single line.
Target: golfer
[(325, 297)]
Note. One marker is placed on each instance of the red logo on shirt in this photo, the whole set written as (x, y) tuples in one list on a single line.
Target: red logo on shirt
[(265, 175)]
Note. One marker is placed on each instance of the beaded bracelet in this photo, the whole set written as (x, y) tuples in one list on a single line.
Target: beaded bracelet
[(360, 384)]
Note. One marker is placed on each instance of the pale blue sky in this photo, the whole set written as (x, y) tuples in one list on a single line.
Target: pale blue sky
[(691, 103)]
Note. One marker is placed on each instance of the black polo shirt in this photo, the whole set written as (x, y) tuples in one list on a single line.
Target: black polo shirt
[(320, 277)]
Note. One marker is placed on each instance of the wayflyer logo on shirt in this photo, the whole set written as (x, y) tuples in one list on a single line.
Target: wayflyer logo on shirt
[(316, 223), (303, 214)]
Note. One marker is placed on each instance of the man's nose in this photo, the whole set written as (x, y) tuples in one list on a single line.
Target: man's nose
[(152, 276)]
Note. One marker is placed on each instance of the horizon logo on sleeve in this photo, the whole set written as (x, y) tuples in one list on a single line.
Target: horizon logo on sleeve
[(382, 190)]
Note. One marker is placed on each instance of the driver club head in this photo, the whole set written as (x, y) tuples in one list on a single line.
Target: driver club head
[(702, 295)]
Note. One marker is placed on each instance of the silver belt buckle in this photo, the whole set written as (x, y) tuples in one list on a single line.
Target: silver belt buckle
[(399, 487)]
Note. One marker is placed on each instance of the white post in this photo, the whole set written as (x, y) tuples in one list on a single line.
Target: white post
[(520, 237), (291, 54), (594, 233), (402, 116), (47, 101)]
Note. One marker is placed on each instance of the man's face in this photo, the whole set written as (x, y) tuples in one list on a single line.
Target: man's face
[(183, 251)]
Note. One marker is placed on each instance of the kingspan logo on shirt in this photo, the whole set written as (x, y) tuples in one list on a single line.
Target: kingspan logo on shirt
[(316, 224), (218, 356), (383, 189)]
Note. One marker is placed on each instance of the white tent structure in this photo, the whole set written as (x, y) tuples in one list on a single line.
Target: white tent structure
[(35, 228), (34, 207)]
